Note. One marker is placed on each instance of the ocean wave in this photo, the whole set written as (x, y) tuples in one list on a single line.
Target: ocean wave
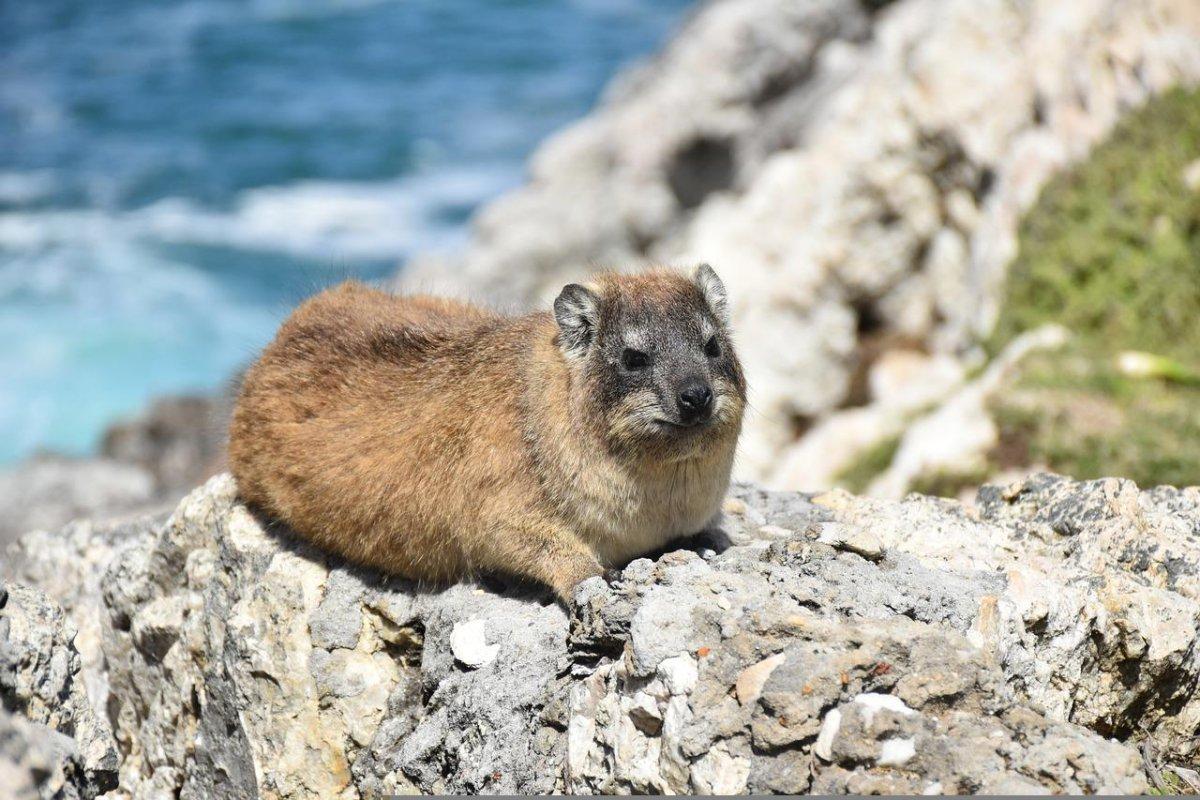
[(320, 219), (24, 188), (317, 220), (309, 9), (95, 325), (178, 21), (103, 308)]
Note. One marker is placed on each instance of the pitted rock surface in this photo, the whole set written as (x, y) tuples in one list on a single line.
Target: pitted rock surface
[(68, 750), (1021, 646)]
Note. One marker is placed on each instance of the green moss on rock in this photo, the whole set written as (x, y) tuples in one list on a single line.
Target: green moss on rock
[(1078, 416), (1112, 252), (1112, 248)]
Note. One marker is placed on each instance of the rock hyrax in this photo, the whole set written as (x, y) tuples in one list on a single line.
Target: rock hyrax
[(434, 439)]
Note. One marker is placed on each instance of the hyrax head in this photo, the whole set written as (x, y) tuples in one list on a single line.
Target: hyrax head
[(653, 360)]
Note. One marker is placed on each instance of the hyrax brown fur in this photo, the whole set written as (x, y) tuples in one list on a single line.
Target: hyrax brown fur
[(434, 439)]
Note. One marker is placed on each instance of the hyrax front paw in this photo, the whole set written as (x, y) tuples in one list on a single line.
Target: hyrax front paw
[(593, 585), (585, 590), (567, 583)]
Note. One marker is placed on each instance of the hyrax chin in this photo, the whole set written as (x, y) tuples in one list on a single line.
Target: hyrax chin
[(434, 439)]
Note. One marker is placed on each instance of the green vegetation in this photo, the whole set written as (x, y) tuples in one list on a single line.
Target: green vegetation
[(1112, 248), (944, 483), (1168, 782), (857, 476), (1112, 252), (1075, 413)]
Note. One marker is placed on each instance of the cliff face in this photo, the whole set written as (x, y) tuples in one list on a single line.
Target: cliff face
[(856, 178), (824, 644)]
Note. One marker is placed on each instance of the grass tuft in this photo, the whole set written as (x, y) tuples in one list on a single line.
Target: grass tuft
[(1112, 251)]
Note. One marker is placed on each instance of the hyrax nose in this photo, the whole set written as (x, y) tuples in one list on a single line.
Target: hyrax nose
[(695, 401)]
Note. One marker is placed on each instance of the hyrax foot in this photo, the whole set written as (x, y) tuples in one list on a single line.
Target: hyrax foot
[(549, 553), (570, 576)]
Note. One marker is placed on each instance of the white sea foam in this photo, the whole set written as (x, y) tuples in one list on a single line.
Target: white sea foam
[(316, 220), (25, 187), (94, 326), (90, 297), (321, 219)]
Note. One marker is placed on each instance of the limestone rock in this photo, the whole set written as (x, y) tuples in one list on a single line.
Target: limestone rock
[(973, 650), (145, 465), (955, 436), (903, 384), (37, 762), (40, 681), (246, 661), (1097, 621), (911, 693), (67, 566)]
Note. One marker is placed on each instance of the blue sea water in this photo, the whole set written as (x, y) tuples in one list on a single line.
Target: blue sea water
[(176, 174)]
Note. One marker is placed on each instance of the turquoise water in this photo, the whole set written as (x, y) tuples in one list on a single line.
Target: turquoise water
[(175, 174)]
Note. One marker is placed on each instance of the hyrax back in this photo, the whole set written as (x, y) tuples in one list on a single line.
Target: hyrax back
[(433, 439)]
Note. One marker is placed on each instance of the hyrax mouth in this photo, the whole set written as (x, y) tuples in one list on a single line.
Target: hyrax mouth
[(676, 428), (709, 420), (685, 425)]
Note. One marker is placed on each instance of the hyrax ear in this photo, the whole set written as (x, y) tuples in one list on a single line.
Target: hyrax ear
[(577, 310), (713, 290)]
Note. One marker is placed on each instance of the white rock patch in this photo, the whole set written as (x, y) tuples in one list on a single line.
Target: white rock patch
[(468, 642)]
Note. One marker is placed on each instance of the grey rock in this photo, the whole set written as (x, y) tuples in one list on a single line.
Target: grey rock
[(38, 762), (981, 651), (40, 681), (832, 657), (67, 566), (47, 492), (1097, 618), (337, 621), (144, 465)]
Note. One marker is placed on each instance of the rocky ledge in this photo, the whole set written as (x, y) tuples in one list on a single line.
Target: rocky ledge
[(825, 644)]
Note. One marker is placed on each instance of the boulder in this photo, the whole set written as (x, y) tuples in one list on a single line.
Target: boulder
[(68, 565), (826, 643), (145, 464), (37, 761)]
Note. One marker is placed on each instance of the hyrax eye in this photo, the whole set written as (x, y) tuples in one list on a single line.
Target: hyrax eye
[(712, 348), (634, 359)]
